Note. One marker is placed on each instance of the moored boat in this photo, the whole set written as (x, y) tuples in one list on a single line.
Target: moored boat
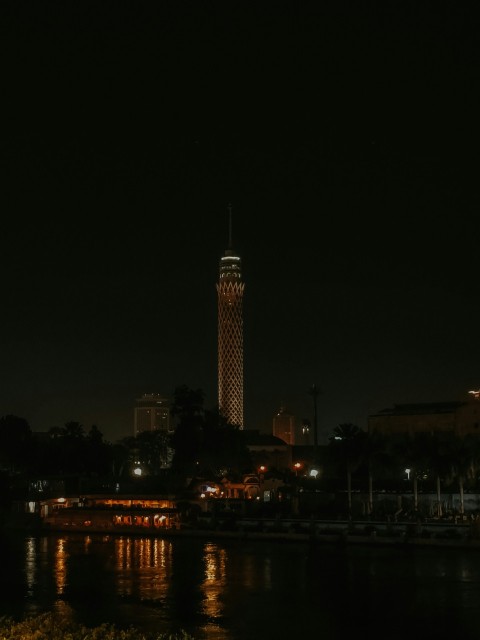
[(107, 514)]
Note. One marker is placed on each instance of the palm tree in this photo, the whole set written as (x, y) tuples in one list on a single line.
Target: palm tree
[(412, 451), (347, 443), (438, 447), (464, 462), (376, 456)]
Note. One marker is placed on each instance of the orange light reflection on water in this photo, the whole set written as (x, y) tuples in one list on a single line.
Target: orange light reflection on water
[(144, 567), (60, 566), (215, 559)]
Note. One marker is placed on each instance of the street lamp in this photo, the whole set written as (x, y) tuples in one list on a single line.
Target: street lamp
[(306, 430), (314, 391), (261, 472)]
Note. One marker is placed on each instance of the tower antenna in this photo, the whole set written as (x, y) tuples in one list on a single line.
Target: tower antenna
[(229, 226)]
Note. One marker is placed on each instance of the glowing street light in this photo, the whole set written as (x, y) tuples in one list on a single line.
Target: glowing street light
[(306, 430), (314, 391)]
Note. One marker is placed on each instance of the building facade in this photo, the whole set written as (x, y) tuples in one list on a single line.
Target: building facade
[(230, 290), (151, 413), (458, 417), (284, 425), (268, 451)]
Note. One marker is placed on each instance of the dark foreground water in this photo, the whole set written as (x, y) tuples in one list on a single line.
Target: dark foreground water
[(236, 590)]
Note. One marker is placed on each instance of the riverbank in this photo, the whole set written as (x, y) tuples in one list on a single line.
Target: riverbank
[(13, 521), (60, 628), (440, 533), (356, 533), (445, 533)]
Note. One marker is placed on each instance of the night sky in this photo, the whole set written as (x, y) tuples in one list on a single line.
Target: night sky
[(345, 136)]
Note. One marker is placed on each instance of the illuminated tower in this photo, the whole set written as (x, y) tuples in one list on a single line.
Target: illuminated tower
[(230, 334)]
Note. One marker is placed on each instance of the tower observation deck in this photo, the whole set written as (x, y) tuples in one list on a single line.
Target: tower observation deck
[(230, 335)]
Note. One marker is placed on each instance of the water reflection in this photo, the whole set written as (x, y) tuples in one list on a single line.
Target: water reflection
[(219, 590), (30, 565), (215, 580), (143, 567), (61, 566)]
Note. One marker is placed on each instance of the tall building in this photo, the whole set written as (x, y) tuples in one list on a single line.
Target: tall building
[(284, 425), (152, 412), (230, 334)]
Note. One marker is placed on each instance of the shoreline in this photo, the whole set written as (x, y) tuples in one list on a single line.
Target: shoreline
[(429, 534), (401, 535)]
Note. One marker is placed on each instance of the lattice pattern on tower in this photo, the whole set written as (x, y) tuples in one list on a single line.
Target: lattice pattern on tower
[(230, 341)]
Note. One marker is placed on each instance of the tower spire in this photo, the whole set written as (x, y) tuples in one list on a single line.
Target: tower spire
[(229, 225)]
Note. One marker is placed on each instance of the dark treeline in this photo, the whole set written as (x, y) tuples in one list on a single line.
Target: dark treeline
[(204, 445)]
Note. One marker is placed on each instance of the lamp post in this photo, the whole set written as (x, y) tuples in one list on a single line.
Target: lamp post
[(314, 391), (306, 430)]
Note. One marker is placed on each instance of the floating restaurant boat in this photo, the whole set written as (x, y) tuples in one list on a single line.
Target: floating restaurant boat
[(110, 514)]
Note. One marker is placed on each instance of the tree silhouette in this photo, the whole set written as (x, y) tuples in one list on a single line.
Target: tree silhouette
[(186, 440), (377, 459), (15, 443), (203, 442), (464, 461), (411, 451), (347, 444)]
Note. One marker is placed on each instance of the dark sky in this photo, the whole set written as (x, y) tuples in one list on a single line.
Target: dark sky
[(345, 135)]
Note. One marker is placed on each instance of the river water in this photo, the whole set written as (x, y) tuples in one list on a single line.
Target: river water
[(237, 590)]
